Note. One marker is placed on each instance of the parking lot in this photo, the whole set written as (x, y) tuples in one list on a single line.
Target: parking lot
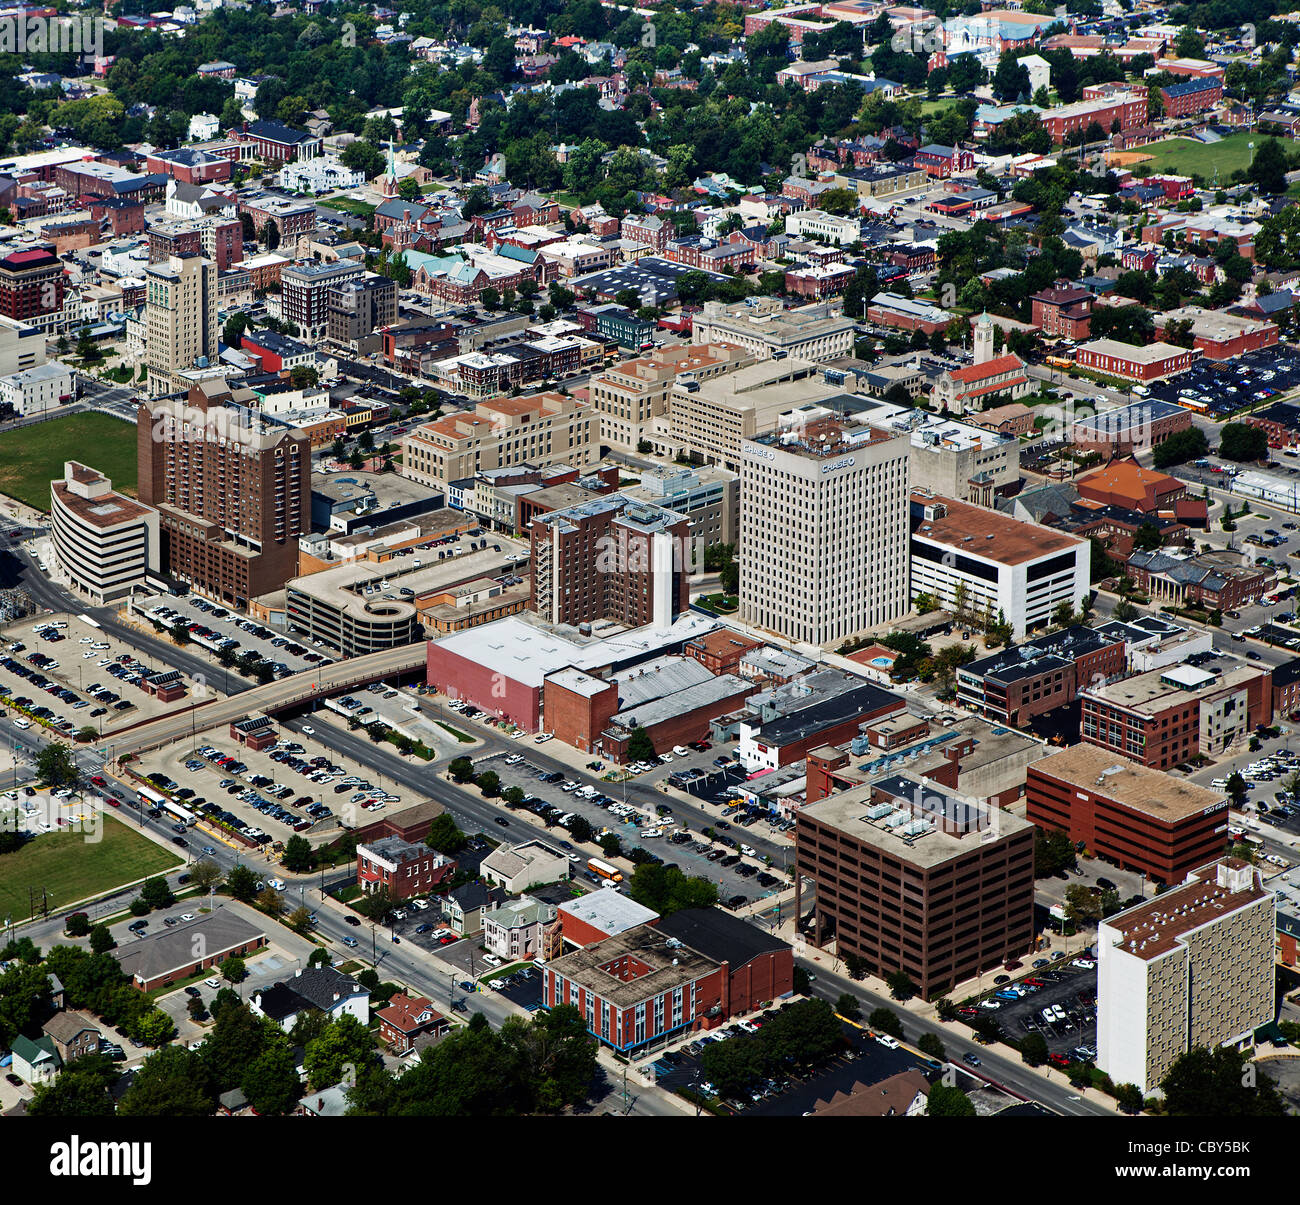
[(1062, 987), (212, 626), (721, 860), (71, 673), (294, 786), (863, 1060), (1226, 386)]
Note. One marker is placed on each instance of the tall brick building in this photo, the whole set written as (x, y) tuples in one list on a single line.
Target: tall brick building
[(912, 879), (610, 558), (31, 287), (233, 491)]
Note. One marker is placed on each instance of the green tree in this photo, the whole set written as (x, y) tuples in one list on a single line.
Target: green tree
[(1033, 1049), (153, 1028), (461, 769), (932, 1044), (734, 1066), (1241, 442), (271, 1083), (77, 925), (948, 1102), (444, 836), (241, 883), (900, 985), (298, 856), (344, 1045), (55, 766), (234, 970), (81, 1090), (1129, 1098), (639, 746), (489, 783), (205, 874), (101, 939), (172, 1082), (886, 1021), (1053, 852), (156, 893), (1147, 538), (1219, 1083), (848, 1007)]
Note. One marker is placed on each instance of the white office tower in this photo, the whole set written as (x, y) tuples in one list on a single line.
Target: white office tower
[(823, 526)]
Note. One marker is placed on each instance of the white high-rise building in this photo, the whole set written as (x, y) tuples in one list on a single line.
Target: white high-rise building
[(1194, 967), (824, 526)]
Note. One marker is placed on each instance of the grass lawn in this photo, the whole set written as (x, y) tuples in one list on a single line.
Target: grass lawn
[(1189, 158), (71, 868), (32, 457), (460, 736), (930, 107), (348, 205)]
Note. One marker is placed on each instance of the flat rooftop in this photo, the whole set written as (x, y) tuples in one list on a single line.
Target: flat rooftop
[(850, 812), (979, 532), (353, 585), (634, 965), (1154, 928), (1158, 690), (608, 910), (1152, 792), (525, 649)]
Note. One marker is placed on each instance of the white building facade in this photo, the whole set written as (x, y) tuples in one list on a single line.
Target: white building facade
[(823, 537)]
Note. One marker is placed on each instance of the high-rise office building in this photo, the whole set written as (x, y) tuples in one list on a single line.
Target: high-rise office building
[(910, 877), (1193, 967), (31, 287), (823, 531), (180, 319), (232, 488)]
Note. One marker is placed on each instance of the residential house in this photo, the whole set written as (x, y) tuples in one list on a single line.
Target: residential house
[(322, 989), (407, 1018), (72, 1035)]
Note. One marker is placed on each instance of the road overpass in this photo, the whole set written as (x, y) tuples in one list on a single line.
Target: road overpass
[(268, 699)]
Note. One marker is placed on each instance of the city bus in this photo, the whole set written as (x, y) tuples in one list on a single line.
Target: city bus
[(605, 871), (177, 812)]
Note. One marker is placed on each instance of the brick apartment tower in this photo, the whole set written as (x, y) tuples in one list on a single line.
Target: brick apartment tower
[(610, 558), (233, 491)]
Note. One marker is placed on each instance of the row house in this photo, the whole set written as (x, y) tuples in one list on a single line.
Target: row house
[(706, 254)]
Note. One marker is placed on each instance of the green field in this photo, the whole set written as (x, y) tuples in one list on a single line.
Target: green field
[(357, 208), (32, 457), (1188, 158), (69, 867)]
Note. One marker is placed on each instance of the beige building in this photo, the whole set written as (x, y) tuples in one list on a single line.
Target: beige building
[(765, 329), (1192, 968), (629, 396), (180, 319), (824, 540), (543, 430), (709, 420)]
